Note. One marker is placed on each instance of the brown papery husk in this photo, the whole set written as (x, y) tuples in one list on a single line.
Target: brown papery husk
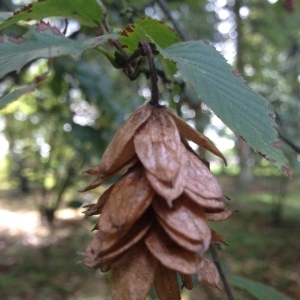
[(188, 132), (218, 215), (103, 264), (181, 240), (96, 256), (133, 275), (169, 191), (166, 284), (204, 202), (115, 244), (185, 217), (208, 274), (90, 260), (128, 200), (158, 145), (102, 178), (187, 281), (169, 253), (200, 179), (121, 149), (217, 238), (96, 209)]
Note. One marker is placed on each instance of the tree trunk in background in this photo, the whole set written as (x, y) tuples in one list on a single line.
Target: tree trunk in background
[(246, 172), (243, 149)]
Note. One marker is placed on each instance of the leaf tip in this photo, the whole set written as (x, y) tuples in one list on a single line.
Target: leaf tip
[(272, 116), (236, 73), (276, 144), (42, 26), (287, 171)]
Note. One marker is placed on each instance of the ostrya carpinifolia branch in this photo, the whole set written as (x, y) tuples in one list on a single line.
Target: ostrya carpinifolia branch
[(153, 221)]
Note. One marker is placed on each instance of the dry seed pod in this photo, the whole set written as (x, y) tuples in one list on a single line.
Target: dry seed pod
[(187, 281), (128, 200), (170, 254), (217, 238), (181, 240), (90, 259), (218, 214), (121, 241), (155, 216), (188, 132), (166, 284), (121, 149), (132, 276), (208, 274), (157, 144), (201, 180), (185, 218), (102, 178), (95, 209), (204, 202), (166, 190)]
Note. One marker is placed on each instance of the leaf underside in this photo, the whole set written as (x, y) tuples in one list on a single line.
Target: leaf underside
[(245, 112), (42, 41)]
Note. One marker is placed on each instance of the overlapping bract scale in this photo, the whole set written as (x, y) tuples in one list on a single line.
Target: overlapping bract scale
[(136, 266), (128, 200), (184, 219), (153, 221), (170, 254)]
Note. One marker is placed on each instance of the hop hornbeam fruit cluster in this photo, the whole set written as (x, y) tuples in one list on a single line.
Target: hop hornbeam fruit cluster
[(153, 222)]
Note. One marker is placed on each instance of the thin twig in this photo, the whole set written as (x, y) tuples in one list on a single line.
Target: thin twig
[(108, 30), (105, 16), (165, 8), (153, 74), (216, 260), (295, 147)]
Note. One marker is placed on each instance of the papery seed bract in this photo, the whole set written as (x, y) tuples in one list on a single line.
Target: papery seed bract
[(166, 284), (158, 146), (102, 178), (208, 273), (132, 275), (186, 218), (217, 238), (127, 201), (121, 149), (187, 281), (200, 179), (181, 240), (218, 214), (115, 244), (169, 253), (191, 134), (204, 202)]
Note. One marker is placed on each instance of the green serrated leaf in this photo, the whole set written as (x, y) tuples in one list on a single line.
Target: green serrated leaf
[(87, 12), (245, 112), (42, 41), (150, 30), (259, 290)]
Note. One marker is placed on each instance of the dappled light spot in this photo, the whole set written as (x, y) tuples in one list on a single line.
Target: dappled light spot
[(28, 229)]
